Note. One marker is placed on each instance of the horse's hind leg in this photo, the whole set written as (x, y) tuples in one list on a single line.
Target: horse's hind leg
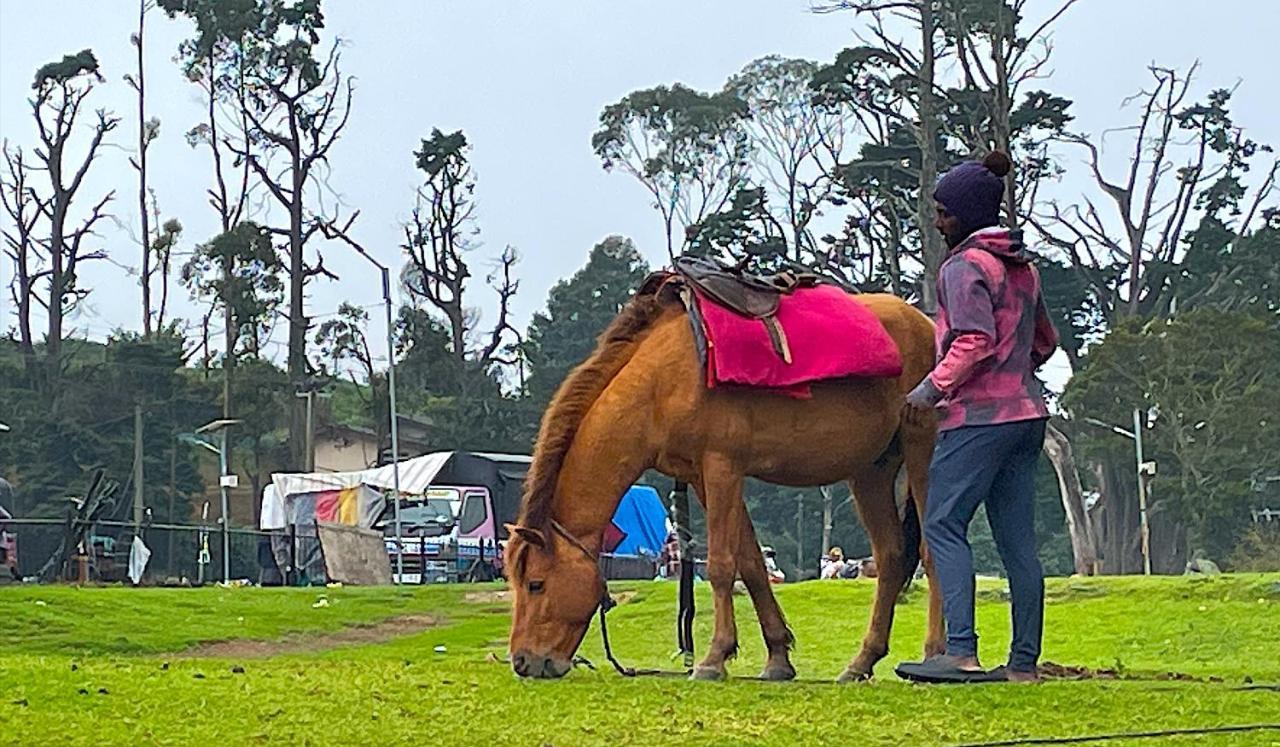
[(721, 491), (873, 495), (777, 636), (917, 446)]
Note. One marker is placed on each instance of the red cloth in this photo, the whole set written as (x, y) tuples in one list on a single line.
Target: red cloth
[(830, 333), (612, 537)]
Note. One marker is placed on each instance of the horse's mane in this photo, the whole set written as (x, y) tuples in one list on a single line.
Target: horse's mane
[(579, 391)]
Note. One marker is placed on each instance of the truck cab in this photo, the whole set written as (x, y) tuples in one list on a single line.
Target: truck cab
[(450, 532)]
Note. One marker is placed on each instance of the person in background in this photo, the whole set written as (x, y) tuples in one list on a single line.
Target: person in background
[(832, 564), (669, 557), (776, 576), (993, 333)]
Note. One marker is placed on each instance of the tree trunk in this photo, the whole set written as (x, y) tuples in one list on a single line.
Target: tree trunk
[(297, 363), (828, 504), (931, 245), (1084, 548), (57, 279), (26, 342), (142, 180), (1122, 553), (1001, 48)]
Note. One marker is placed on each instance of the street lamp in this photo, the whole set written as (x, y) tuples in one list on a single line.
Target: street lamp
[(1144, 468), (333, 232), (226, 481)]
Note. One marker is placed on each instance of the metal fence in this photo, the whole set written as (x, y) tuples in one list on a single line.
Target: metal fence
[(178, 551), (191, 554)]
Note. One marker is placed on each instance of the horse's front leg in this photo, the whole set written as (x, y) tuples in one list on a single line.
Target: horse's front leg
[(777, 636), (721, 491)]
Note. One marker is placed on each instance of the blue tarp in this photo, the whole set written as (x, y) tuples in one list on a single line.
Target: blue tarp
[(642, 519)]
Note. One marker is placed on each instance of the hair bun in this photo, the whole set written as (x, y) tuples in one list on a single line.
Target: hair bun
[(997, 163)]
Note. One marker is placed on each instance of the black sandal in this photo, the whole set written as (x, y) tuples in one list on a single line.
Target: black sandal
[(940, 669)]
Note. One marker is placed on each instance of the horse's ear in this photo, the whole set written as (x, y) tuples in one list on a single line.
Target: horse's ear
[(532, 536)]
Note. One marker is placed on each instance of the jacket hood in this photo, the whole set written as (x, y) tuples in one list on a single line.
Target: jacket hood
[(1002, 242)]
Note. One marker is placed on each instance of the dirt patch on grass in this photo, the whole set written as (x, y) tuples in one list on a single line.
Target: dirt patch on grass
[(306, 643), (1053, 671)]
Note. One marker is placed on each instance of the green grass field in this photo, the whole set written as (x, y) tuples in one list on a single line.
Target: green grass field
[(130, 666)]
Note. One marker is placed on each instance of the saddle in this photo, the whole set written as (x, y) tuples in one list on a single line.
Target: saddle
[(755, 296), (731, 287)]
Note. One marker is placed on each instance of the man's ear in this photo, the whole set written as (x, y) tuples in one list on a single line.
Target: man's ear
[(532, 536)]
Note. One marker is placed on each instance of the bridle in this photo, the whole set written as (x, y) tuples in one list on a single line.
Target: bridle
[(605, 602)]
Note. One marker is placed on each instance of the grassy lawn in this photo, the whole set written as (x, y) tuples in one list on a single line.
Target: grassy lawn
[(114, 665)]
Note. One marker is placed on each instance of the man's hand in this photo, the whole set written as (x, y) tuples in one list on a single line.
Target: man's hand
[(921, 404), (925, 396)]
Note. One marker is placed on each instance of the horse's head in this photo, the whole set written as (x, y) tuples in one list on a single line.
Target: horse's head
[(556, 586)]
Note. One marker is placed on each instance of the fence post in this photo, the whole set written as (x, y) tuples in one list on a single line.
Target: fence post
[(291, 577)]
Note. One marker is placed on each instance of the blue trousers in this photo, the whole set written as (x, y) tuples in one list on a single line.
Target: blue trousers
[(995, 465)]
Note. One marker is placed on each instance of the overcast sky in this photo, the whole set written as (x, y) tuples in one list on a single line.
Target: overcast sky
[(527, 81)]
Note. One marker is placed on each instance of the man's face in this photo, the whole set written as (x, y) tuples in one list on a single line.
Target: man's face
[(948, 225)]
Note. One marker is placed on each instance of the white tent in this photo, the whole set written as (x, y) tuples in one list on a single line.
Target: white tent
[(415, 477)]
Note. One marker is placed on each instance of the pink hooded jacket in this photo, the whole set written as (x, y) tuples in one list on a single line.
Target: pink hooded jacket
[(993, 332)]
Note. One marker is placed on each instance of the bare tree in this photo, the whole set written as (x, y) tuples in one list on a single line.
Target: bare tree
[(25, 208), (914, 108), (61, 89), (440, 233), (215, 60), (148, 130), (1182, 153), (997, 62), (298, 109), (687, 148), (797, 143)]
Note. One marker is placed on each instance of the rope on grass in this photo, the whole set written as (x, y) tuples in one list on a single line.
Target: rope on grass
[(1127, 735)]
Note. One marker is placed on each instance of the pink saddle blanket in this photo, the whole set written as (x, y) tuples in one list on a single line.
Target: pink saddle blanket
[(829, 334)]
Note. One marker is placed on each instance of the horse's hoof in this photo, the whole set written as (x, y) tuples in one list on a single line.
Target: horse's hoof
[(778, 673), (853, 675), (707, 674)]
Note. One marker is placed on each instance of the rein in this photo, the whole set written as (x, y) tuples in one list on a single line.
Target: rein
[(605, 603)]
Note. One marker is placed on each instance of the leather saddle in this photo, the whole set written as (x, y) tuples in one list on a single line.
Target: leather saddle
[(748, 295), (755, 296)]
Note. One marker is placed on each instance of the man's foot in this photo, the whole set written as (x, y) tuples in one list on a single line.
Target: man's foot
[(1005, 674), (943, 668)]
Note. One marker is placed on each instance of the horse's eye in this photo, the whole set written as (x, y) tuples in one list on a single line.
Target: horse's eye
[(535, 587)]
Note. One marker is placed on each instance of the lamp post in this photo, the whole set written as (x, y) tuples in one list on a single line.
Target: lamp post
[(226, 481), (1143, 468), (332, 232)]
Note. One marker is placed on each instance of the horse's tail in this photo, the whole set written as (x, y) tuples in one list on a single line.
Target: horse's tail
[(912, 533)]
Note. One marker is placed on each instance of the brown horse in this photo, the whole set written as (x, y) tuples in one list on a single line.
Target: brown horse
[(639, 402)]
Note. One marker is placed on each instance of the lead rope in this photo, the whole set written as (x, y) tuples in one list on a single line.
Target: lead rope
[(606, 604)]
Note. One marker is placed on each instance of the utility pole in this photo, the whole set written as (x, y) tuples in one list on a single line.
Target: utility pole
[(395, 428), (799, 532), (828, 501), (137, 468), (1142, 493), (333, 232)]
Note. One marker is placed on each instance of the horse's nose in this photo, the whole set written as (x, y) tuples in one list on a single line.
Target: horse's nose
[(520, 663)]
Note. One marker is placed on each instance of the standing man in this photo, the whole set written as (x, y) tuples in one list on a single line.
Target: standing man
[(993, 333)]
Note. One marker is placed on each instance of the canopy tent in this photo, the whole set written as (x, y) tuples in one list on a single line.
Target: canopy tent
[(640, 523), (503, 474)]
